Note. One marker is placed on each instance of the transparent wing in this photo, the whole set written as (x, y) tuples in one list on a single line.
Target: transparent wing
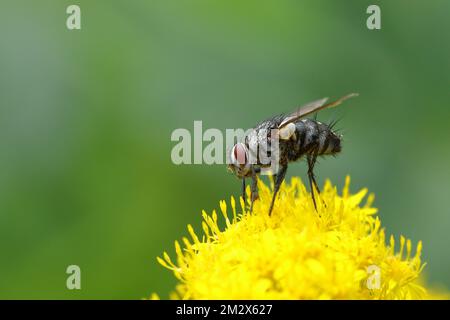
[(312, 107)]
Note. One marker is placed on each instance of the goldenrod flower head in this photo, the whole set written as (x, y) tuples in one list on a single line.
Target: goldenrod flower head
[(338, 252)]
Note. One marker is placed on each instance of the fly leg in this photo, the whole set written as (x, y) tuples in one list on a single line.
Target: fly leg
[(253, 188), (244, 196), (279, 177), (311, 158)]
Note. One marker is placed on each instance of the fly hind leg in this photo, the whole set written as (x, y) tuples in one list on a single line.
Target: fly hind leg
[(312, 158)]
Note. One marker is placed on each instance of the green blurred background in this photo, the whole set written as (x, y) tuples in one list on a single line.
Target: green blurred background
[(86, 117)]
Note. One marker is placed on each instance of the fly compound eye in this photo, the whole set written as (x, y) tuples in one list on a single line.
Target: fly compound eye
[(239, 155)]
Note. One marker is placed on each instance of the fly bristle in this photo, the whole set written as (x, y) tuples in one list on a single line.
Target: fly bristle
[(333, 124)]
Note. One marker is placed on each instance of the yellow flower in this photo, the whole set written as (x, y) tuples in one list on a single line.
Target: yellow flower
[(338, 252)]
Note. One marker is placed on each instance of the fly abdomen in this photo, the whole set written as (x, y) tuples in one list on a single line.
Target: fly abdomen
[(314, 137)]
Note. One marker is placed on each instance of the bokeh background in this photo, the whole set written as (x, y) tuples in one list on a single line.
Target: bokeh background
[(86, 116)]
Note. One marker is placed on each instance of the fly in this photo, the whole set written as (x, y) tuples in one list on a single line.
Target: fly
[(297, 138)]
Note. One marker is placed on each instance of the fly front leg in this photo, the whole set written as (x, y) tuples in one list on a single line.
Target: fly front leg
[(312, 179), (254, 188), (244, 196), (279, 177)]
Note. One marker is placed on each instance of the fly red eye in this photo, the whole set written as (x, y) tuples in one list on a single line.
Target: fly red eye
[(239, 154)]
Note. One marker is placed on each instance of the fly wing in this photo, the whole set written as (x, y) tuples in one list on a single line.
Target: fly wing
[(312, 107)]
